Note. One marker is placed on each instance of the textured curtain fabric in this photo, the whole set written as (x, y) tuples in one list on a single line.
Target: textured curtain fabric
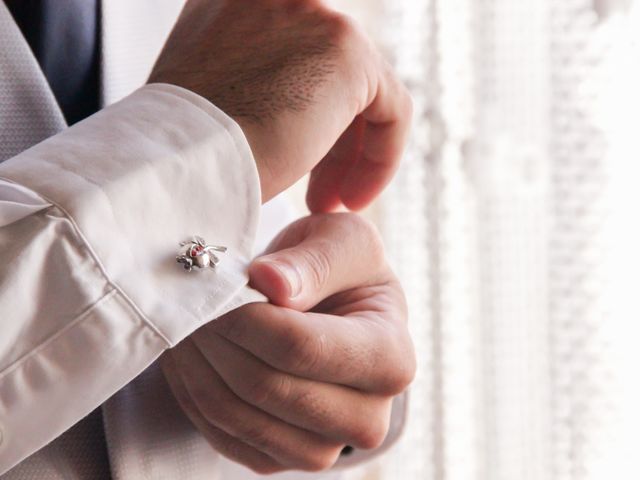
[(513, 224)]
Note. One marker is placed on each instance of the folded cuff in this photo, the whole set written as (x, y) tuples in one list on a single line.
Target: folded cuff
[(141, 176)]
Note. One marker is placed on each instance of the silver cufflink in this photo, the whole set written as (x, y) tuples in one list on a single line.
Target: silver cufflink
[(196, 253)]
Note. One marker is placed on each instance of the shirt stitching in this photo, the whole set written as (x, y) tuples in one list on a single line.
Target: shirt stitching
[(102, 269)]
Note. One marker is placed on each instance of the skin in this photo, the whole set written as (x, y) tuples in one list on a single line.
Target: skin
[(276, 388), (286, 384), (308, 88)]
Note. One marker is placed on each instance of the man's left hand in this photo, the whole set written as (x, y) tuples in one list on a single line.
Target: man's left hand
[(276, 389)]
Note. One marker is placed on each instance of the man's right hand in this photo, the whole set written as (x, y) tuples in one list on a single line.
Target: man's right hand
[(308, 89)]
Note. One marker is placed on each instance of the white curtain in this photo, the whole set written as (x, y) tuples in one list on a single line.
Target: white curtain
[(514, 226)]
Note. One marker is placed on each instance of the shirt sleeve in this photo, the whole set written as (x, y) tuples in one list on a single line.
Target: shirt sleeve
[(90, 224)]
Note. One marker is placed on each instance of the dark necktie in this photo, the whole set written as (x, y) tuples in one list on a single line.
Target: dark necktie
[(65, 39)]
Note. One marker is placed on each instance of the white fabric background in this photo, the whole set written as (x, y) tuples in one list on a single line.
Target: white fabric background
[(513, 225)]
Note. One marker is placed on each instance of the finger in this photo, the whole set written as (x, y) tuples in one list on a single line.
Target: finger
[(355, 352), (340, 413), (365, 158), (317, 257), (323, 192), (388, 121), (289, 446), (222, 442)]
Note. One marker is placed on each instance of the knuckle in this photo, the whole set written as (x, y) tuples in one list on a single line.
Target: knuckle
[(402, 370), (186, 403), (366, 227), (242, 453), (408, 366), (408, 372), (308, 405), (269, 390), (399, 380), (369, 235), (230, 447), (214, 414), (240, 324), (260, 437), (263, 467), (371, 432), (403, 378), (320, 460), (202, 401), (370, 231), (357, 53), (217, 409), (343, 28), (232, 325), (346, 36), (303, 352)]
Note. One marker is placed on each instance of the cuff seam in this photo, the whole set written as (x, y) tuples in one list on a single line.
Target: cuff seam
[(52, 338), (103, 271)]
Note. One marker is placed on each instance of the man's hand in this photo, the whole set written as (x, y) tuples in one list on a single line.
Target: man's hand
[(306, 86), (277, 389)]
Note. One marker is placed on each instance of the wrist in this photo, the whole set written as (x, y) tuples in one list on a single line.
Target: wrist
[(250, 131)]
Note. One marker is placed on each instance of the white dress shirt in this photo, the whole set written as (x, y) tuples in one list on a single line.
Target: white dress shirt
[(90, 221), (91, 292)]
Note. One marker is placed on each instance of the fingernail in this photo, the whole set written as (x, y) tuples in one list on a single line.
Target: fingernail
[(291, 275)]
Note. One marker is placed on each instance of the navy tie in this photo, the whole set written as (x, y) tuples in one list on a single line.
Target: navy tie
[(65, 39)]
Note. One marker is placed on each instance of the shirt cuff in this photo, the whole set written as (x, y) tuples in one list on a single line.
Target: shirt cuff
[(143, 175), (91, 290)]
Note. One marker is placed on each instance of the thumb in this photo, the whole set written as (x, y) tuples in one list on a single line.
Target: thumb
[(338, 252)]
